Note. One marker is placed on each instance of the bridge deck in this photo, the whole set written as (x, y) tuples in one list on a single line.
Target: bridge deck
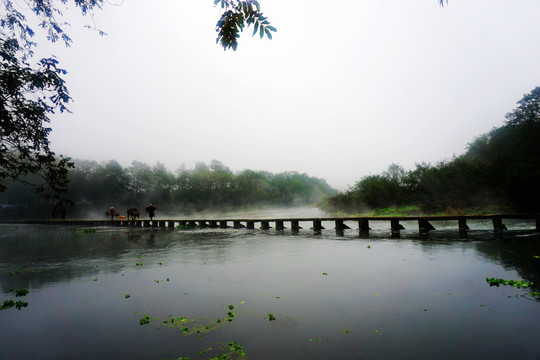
[(424, 224)]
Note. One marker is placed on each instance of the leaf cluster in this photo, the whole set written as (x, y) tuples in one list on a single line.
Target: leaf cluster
[(237, 16), (30, 92), (515, 283)]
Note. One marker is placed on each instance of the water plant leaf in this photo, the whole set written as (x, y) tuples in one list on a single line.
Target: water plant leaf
[(127, 296), (10, 303), (515, 283), (85, 231), (21, 292), (271, 317)]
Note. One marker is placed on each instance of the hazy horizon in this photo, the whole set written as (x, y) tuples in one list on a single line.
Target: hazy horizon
[(341, 91)]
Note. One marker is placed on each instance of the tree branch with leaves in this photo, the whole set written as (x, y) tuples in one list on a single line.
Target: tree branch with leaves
[(31, 91), (237, 16)]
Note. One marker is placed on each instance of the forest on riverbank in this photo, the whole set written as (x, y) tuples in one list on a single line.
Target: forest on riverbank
[(500, 171), (94, 187)]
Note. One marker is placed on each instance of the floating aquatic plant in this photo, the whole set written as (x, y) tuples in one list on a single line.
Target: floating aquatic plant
[(127, 296), (21, 292), (271, 317), (145, 320), (10, 303), (86, 231), (232, 350), (515, 283)]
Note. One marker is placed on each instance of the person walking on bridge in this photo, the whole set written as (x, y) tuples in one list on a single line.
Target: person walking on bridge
[(112, 212), (151, 211)]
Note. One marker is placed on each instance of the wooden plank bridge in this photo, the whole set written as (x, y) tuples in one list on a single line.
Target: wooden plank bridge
[(424, 222)]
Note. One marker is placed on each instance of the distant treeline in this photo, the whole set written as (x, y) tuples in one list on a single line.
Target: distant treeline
[(96, 186), (501, 169)]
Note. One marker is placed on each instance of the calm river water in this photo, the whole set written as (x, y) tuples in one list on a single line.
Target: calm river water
[(199, 294)]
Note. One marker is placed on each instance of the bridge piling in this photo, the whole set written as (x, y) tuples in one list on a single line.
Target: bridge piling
[(424, 226), (363, 226), (396, 226), (317, 225), (340, 225), (498, 223), (238, 225)]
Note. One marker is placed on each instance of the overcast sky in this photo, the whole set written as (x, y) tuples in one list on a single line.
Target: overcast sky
[(344, 89)]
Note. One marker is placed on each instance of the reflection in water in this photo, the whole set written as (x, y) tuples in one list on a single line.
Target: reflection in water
[(333, 295)]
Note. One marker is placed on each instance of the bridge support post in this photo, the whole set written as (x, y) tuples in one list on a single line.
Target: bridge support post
[(279, 225), (250, 224), (223, 224), (340, 225), (295, 225), (317, 225), (265, 225), (170, 224), (212, 224), (146, 223), (363, 226), (238, 225), (396, 226), (203, 224), (462, 225), (498, 224), (424, 226), (161, 223)]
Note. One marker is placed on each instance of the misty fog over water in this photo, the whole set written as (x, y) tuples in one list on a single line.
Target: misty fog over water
[(328, 295)]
